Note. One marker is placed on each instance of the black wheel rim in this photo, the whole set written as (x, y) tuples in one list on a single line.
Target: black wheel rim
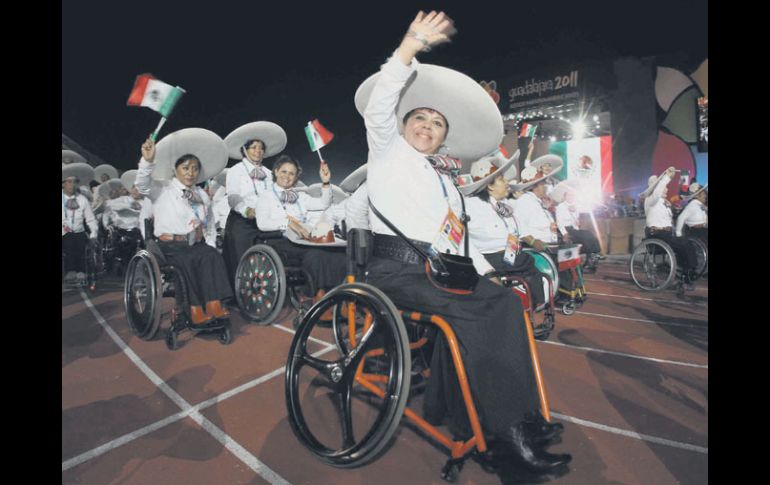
[(652, 266), (260, 285)]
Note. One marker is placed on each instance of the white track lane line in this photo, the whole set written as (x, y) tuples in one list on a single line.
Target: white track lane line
[(631, 434), (622, 354), (648, 299), (686, 325), (236, 449)]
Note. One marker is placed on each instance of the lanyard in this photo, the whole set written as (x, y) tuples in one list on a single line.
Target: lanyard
[(515, 224), (194, 207), (253, 184), (299, 204)]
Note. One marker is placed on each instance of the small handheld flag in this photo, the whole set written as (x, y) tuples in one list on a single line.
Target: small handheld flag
[(156, 95), (317, 136), (527, 130)]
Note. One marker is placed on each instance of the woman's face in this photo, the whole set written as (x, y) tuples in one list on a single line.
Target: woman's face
[(187, 172), (285, 175), (69, 185), (254, 152), (425, 130), (499, 188)]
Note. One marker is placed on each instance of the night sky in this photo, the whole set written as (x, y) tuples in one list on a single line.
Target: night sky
[(289, 62)]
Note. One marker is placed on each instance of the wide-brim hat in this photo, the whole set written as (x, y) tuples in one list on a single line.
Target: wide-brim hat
[(694, 190), (486, 169), (86, 193), (129, 178), (475, 122), (535, 170), (105, 169), (314, 190), (559, 192), (204, 144), (221, 177), (652, 182), (355, 179), (83, 171), (105, 189), (269, 133), (68, 157)]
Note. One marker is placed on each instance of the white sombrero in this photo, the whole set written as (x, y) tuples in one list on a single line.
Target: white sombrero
[(314, 190), (105, 169), (694, 190), (534, 173), (86, 193), (68, 157), (129, 178), (83, 171), (105, 189), (221, 178), (652, 182), (560, 191), (486, 169), (269, 133), (475, 122), (355, 179), (204, 144)]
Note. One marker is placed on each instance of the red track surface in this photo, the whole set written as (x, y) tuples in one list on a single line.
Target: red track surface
[(627, 374)]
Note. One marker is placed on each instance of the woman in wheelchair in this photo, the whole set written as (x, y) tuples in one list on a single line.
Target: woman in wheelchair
[(245, 181), (281, 208), (694, 218), (568, 223), (75, 215), (183, 221), (410, 182), (124, 218), (492, 227), (659, 224)]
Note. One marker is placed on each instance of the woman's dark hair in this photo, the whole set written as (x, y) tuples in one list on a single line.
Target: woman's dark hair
[(483, 194), (409, 115), (93, 184), (248, 144), (186, 157), (283, 160)]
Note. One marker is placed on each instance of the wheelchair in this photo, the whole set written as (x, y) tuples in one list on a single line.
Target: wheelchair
[(263, 279), (346, 408), (653, 264), (572, 293), (94, 266), (119, 247), (148, 279)]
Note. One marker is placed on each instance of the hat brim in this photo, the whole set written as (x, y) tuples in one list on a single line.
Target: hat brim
[(105, 169), (74, 157), (129, 178), (314, 190), (696, 193), (273, 136), (355, 179), (83, 171), (507, 168), (556, 164), (204, 144), (221, 177), (559, 192), (475, 122), (105, 189)]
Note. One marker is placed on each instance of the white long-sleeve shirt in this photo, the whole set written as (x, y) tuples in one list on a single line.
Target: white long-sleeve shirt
[(357, 209), (221, 207), (693, 214), (402, 185), (173, 213), (566, 216), (489, 231), (242, 191), (534, 220), (75, 220), (272, 215), (121, 212), (657, 211)]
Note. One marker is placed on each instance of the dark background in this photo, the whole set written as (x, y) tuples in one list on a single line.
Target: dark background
[(289, 62)]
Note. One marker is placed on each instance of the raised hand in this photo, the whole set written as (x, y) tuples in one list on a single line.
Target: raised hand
[(325, 173), (426, 31), (148, 150)]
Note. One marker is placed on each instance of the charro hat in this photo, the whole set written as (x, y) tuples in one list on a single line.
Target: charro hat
[(204, 144), (534, 173), (68, 157), (221, 177), (486, 169), (129, 178), (694, 190), (475, 122), (105, 169), (83, 171), (105, 189), (314, 190), (355, 179), (269, 133), (560, 191)]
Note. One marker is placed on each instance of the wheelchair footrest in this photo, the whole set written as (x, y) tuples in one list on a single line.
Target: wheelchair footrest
[(450, 472)]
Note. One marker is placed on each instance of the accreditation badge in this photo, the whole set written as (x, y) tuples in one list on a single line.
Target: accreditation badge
[(450, 235), (512, 248)]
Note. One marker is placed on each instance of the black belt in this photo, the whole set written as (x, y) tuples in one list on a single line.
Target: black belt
[(393, 247)]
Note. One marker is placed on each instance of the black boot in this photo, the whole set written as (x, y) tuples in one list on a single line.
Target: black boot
[(541, 431), (539, 461)]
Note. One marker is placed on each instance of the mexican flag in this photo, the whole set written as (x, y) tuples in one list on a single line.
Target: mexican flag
[(589, 160), (317, 136), (527, 130), (154, 94)]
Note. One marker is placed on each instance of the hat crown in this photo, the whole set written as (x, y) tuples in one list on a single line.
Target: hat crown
[(482, 168)]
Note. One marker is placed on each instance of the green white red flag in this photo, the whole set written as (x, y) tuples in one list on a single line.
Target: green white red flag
[(317, 136), (155, 94), (527, 130)]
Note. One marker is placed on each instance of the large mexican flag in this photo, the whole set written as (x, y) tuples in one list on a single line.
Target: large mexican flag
[(588, 160)]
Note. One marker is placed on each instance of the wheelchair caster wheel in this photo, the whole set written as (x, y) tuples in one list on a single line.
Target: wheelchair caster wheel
[(568, 308), (171, 340), (451, 470), (225, 336)]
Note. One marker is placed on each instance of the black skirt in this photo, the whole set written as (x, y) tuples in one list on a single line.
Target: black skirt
[(326, 265), (489, 325), (203, 269), (240, 233)]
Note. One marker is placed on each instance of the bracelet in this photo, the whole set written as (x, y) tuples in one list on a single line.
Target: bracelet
[(425, 45)]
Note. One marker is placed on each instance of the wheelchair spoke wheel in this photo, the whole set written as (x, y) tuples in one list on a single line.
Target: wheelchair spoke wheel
[(142, 296), (652, 265), (260, 284), (702, 255), (345, 404)]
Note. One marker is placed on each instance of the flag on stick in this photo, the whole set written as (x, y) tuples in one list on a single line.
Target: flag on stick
[(155, 94), (527, 130), (317, 136)]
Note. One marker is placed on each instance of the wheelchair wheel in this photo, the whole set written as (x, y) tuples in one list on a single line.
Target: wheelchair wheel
[(225, 336), (93, 262), (171, 340), (652, 265), (343, 419), (702, 253), (142, 295), (260, 284), (545, 264)]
